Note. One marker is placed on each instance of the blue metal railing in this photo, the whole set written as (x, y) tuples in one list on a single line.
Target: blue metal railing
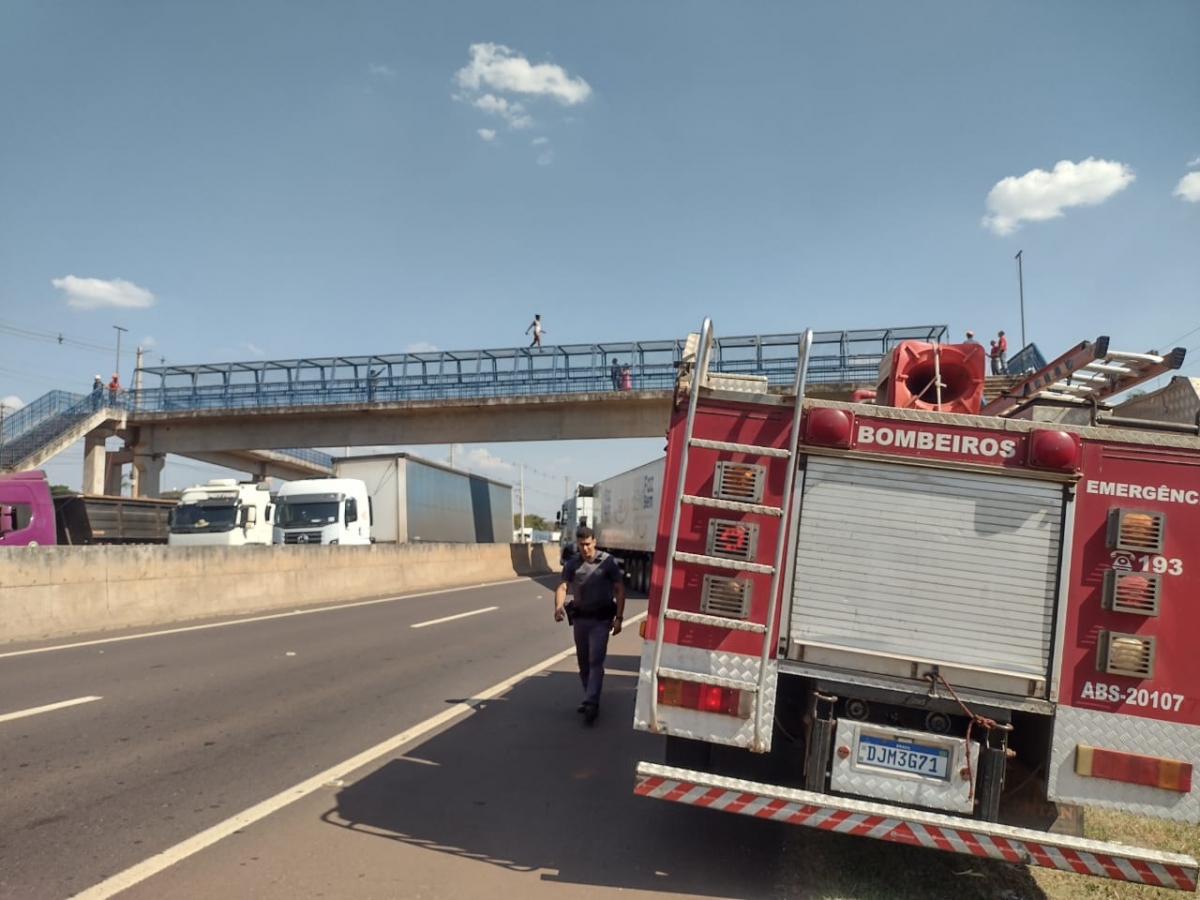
[(838, 356), (25, 419), (54, 414), (43, 421)]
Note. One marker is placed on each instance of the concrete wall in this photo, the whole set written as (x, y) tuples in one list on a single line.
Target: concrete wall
[(52, 592)]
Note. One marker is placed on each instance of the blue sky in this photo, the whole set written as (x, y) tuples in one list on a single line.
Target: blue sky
[(269, 180)]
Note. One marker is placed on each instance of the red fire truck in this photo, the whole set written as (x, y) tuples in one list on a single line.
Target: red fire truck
[(942, 622)]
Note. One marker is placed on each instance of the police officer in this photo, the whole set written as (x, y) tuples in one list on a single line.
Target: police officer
[(597, 611)]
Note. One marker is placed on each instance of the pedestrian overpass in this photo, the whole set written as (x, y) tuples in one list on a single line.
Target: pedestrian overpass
[(264, 416)]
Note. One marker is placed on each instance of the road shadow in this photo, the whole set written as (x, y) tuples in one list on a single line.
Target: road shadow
[(523, 785)]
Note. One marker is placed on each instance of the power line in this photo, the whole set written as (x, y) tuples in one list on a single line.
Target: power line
[(48, 337), (1166, 344)]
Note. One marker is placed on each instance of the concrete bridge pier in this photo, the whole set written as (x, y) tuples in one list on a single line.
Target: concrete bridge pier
[(147, 474), (95, 463)]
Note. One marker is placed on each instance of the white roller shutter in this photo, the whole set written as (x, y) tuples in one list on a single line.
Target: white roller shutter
[(955, 567)]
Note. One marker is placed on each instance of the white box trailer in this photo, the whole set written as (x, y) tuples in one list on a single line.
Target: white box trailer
[(625, 509), (413, 499)]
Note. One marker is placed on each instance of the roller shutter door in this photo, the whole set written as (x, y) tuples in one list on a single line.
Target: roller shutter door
[(956, 567)]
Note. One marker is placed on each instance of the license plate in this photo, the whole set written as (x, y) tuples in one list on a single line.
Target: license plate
[(903, 756)]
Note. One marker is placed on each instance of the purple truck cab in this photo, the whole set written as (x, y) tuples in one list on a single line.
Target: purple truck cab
[(26, 510)]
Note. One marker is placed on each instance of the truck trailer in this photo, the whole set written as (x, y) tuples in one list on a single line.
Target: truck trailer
[(413, 499), (948, 622), (623, 514), (223, 513), (30, 515)]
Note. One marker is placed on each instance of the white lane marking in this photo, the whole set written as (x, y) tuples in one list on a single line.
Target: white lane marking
[(473, 612), (138, 873), (283, 615), (49, 707)]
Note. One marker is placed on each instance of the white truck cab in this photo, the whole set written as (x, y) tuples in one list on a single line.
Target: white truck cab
[(323, 511), (223, 512)]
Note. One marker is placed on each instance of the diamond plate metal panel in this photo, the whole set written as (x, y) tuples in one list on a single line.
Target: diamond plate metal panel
[(1131, 734), (847, 776), (702, 726)]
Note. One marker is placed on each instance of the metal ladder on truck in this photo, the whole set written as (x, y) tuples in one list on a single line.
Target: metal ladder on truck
[(1088, 371), (700, 347)]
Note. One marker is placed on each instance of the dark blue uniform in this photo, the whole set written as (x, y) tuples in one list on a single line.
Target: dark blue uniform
[(592, 613)]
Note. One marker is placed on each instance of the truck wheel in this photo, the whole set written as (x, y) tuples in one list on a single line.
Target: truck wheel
[(684, 753)]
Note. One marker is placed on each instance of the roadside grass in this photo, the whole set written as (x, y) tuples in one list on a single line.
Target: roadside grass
[(1103, 825), (828, 866)]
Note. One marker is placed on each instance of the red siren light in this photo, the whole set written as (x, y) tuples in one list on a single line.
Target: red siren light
[(911, 371), (1053, 450), (829, 427)]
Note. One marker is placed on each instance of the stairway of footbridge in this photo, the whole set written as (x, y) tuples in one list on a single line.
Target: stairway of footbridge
[(566, 391)]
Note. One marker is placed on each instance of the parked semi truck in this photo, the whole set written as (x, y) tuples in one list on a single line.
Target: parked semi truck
[(577, 510), (323, 511), (940, 622), (223, 512), (30, 515), (623, 513), (413, 499)]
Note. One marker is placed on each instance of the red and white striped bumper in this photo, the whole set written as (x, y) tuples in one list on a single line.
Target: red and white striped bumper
[(919, 828)]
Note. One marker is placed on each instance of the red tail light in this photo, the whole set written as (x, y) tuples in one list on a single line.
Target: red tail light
[(703, 697)]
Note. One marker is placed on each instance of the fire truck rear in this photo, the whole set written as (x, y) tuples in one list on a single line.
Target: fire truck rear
[(924, 624)]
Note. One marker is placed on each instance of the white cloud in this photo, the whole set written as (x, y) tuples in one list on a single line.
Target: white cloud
[(1188, 188), (499, 69), (545, 158), (513, 113), (381, 69), (94, 293), (252, 349), (1039, 195), (496, 71), (488, 134), (149, 342), (11, 402), (1192, 163), (538, 141), (420, 347)]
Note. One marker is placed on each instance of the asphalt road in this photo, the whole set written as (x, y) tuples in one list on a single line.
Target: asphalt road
[(509, 797)]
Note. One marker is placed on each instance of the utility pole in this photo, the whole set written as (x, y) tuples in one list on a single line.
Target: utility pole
[(117, 370), (137, 375), (452, 456), (522, 532), (1021, 287)]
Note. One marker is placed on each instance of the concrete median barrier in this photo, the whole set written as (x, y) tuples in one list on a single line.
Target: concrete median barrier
[(50, 592)]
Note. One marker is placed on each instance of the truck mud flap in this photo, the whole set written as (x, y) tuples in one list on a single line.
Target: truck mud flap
[(918, 828)]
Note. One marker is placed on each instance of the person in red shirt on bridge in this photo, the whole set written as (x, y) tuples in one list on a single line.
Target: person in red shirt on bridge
[(1002, 346)]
